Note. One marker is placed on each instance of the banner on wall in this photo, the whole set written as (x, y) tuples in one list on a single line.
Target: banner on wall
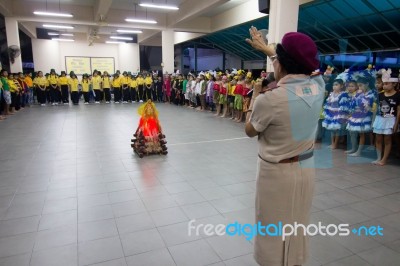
[(79, 64), (103, 64)]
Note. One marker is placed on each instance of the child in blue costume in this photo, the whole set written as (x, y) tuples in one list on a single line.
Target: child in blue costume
[(360, 120), (335, 118)]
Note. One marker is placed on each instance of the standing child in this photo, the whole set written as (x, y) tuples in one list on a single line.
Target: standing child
[(158, 84), (85, 88), (95, 82), (24, 89), (334, 118), (6, 92), (387, 120), (238, 105), (63, 85), (73, 88), (133, 87), (106, 86), (223, 95), (167, 88), (345, 101), (216, 88), (29, 82), (15, 99), (248, 87), (116, 84), (360, 121), (210, 92), (41, 84), (125, 87)]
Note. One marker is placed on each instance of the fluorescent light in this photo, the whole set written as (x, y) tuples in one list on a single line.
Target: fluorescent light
[(53, 33), (141, 20), (57, 26), (159, 6), (67, 34), (121, 38), (62, 40), (114, 42), (130, 31), (53, 14)]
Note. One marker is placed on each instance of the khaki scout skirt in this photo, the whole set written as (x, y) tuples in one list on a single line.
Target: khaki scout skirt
[(284, 194)]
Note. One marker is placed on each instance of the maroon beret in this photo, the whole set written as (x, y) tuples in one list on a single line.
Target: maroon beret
[(302, 49)]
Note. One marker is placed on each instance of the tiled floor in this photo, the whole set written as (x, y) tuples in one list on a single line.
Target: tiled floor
[(73, 193)]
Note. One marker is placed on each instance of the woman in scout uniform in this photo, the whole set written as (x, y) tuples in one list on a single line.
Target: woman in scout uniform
[(85, 87), (96, 81), (63, 83), (106, 86), (285, 120), (40, 83), (133, 87), (148, 81), (116, 84), (125, 87), (73, 83), (140, 82), (53, 87)]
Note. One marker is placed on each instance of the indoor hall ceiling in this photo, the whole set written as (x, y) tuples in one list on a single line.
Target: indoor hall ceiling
[(96, 20), (337, 26)]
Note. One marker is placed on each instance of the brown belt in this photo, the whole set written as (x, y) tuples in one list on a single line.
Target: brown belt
[(293, 159)]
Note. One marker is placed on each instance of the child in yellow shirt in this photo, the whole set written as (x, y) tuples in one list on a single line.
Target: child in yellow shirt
[(134, 87), (85, 87), (116, 84), (73, 83)]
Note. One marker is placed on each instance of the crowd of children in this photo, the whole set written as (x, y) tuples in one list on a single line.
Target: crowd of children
[(229, 92), (366, 104), (16, 92), (362, 105)]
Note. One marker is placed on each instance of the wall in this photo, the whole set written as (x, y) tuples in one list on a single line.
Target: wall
[(232, 61), (256, 64), (48, 54)]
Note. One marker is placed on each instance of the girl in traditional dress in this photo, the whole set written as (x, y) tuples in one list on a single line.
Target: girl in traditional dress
[(360, 120), (334, 118)]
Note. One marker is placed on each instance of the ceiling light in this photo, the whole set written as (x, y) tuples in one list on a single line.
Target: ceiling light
[(121, 38), (129, 31), (57, 26), (114, 42), (53, 33), (52, 14), (159, 6), (67, 34), (141, 20), (63, 40)]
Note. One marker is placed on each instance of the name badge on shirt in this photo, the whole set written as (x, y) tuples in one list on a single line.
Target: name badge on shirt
[(307, 90)]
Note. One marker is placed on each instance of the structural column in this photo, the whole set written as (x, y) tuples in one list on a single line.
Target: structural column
[(167, 43), (13, 39), (283, 18)]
